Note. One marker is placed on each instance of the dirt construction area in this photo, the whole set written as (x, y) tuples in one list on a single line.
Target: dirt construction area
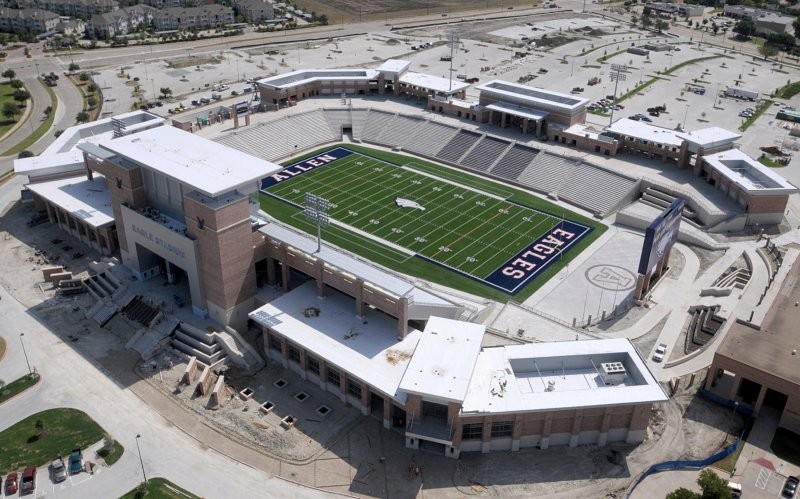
[(353, 454)]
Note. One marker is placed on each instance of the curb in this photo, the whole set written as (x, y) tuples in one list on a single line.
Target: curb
[(23, 391)]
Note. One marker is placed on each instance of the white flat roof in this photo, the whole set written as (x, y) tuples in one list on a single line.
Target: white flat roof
[(435, 83), (644, 131), (48, 164), (365, 271), (202, 164), (524, 112), (748, 173), (443, 361), (532, 96), (515, 378), (87, 200), (366, 347), (709, 137), (304, 76), (394, 65)]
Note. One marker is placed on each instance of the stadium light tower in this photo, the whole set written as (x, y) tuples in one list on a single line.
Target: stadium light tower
[(453, 42), (317, 211), (619, 72)]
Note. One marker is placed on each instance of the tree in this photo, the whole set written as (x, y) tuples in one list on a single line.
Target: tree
[(683, 493), (714, 486), (768, 50), (25, 154), (796, 26), (16, 83), (9, 73), (661, 25), (323, 20), (647, 21), (715, 28), (745, 28), (165, 91), (21, 95), (82, 117), (48, 110), (91, 88), (10, 110), (84, 77), (91, 102), (73, 66)]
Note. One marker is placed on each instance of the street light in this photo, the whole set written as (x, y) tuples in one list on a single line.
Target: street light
[(141, 461), (25, 353)]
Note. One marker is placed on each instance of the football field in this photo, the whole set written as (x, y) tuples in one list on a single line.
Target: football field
[(411, 212)]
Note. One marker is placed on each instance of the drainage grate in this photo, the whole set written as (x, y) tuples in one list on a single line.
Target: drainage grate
[(323, 410), (281, 383), (301, 396)]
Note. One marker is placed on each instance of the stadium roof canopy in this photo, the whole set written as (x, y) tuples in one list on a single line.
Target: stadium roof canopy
[(204, 165), (558, 375), (748, 173), (86, 200), (643, 131), (538, 98), (708, 138), (522, 112), (306, 76), (436, 84)]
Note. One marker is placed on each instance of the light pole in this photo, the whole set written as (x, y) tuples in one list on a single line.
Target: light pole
[(25, 353), (618, 72), (684, 117), (141, 461)]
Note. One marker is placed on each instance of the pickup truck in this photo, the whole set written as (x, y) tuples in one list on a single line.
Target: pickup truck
[(75, 462), (58, 469)]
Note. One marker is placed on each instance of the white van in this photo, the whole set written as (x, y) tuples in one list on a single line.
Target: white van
[(736, 490)]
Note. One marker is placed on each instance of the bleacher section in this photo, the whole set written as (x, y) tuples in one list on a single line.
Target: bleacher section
[(485, 153), (376, 121), (338, 118), (547, 172), (661, 199), (430, 139), (359, 118), (399, 131), (596, 189), (514, 162), (458, 146)]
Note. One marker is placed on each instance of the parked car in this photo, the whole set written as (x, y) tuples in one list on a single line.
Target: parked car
[(661, 351), (75, 462), (28, 482), (58, 469), (11, 483), (790, 487)]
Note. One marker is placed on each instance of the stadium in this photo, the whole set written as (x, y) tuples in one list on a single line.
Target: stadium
[(404, 231)]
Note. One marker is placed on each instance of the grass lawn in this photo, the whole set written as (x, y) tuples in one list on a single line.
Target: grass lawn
[(6, 95), (63, 430), (760, 109), (161, 488), (463, 231), (112, 455), (18, 386), (2, 347), (770, 162), (41, 130)]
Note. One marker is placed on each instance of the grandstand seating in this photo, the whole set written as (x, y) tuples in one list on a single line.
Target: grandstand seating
[(547, 172), (514, 161), (399, 130), (430, 139), (458, 146), (338, 118), (596, 189), (376, 122), (485, 153), (358, 117)]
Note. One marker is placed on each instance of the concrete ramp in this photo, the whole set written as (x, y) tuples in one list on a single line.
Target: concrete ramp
[(239, 351)]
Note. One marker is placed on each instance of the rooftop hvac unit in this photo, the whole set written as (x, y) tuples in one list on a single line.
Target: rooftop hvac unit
[(551, 386), (613, 373)]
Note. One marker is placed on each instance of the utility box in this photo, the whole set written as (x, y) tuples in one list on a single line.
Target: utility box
[(613, 373)]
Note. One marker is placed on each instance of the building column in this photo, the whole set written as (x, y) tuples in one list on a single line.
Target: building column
[(359, 297), (546, 429), (760, 400), (576, 428), (604, 427), (388, 412), (516, 432), (303, 363), (486, 435), (342, 386), (525, 125), (284, 353), (271, 277), (737, 382), (402, 317), (320, 269), (285, 276), (365, 399), (538, 127)]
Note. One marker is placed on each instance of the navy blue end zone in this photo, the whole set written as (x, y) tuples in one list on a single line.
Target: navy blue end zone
[(516, 273), (304, 166)]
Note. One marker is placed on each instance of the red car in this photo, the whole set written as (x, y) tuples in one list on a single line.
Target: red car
[(28, 483), (11, 483)]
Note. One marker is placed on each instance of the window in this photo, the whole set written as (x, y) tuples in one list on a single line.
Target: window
[(502, 429), (333, 377), (354, 388), (294, 354), (275, 342), (472, 431), (312, 365)]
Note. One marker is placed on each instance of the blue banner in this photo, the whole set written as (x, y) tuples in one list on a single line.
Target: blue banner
[(304, 166), (534, 258)]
